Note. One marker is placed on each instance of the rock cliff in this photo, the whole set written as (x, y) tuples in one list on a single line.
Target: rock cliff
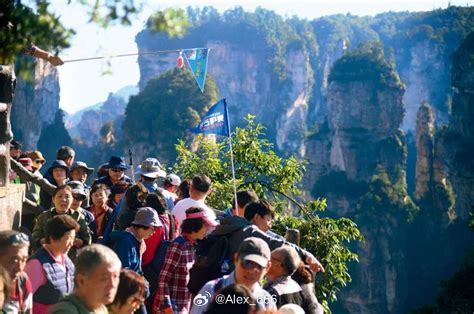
[(35, 104), (360, 149)]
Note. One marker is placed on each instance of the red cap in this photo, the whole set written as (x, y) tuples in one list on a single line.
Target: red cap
[(27, 163)]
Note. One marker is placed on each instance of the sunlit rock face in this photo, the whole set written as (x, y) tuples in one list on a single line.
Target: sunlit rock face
[(35, 104)]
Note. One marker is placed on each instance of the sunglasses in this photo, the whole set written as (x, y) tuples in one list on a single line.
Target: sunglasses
[(116, 169), (19, 238), (79, 197), (39, 161), (250, 265)]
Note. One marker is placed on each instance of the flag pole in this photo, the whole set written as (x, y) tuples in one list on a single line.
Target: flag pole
[(231, 155), (131, 165)]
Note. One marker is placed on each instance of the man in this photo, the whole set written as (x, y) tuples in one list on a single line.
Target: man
[(284, 262), (78, 198), (170, 186), (198, 191), (238, 228), (13, 256), (243, 198), (96, 281), (66, 154), (252, 262), (261, 213), (149, 171), (115, 172), (79, 172)]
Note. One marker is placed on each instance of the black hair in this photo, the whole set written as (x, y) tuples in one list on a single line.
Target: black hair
[(183, 188), (191, 225), (201, 183), (157, 202), (100, 186), (60, 188), (245, 197), (65, 152), (260, 208), (57, 226)]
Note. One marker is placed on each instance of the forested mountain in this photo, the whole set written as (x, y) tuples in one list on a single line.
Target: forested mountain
[(346, 93), (381, 107)]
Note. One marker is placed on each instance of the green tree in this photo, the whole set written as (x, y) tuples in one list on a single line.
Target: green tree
[(160, 114), (54, 136), (279, 180)]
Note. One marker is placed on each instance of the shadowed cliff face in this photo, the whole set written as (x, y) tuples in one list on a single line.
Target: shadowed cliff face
[(35, 104), (458, 140), (359, 150)]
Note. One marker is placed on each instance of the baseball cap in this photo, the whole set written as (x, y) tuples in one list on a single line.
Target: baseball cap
[(173, 179), (255, 250)]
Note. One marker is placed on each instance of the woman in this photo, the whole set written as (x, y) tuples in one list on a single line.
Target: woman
[(50, 270), (172, 295), (57, 175), (183, 190), (130, 244), (169, 231), (304, 276), (100, 210), (62, 201), (117, 191), (130, 293)]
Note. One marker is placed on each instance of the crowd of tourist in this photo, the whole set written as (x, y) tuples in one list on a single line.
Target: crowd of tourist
[(154, 246)]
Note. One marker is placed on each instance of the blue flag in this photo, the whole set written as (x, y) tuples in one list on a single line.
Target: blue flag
[(197, 61), (215, 121)]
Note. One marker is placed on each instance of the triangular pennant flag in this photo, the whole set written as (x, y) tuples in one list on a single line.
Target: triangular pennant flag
[(197, 61), (215, 121)]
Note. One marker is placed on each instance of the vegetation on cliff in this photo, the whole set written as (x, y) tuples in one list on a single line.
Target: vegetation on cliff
[(366, 63), (163, 112)]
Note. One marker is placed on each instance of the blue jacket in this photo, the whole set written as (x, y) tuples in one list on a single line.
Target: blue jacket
[(127, 248), (59, 283)]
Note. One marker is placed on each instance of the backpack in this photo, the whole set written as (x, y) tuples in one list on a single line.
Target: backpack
[(212, 261), (152, 270)]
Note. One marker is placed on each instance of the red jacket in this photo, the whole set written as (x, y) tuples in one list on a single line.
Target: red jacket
[(153, 242)]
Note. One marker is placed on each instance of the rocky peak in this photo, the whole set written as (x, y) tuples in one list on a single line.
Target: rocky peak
[(425, 146), (38, 98)]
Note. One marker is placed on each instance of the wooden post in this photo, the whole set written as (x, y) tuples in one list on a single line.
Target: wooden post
[(7, 88)]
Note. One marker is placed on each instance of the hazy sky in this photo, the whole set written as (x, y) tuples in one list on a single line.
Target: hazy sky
[(84, 83)]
